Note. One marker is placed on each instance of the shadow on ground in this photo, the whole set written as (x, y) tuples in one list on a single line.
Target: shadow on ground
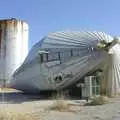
[(19, 97)]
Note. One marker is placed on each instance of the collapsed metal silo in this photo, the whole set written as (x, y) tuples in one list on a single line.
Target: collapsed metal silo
[(13, 46)]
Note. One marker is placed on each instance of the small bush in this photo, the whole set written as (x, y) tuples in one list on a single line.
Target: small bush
[(60, 103), (99, 100)]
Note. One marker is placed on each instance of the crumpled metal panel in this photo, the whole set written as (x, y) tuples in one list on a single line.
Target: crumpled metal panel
[(32, 76)]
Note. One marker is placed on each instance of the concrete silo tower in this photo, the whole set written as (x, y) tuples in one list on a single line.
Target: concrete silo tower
[(13, 45)]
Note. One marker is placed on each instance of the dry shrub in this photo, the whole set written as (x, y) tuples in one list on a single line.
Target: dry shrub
[(99, 100), (5, 115), (60, 103)]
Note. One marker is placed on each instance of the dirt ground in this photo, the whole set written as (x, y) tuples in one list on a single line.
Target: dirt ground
[(38, 106)]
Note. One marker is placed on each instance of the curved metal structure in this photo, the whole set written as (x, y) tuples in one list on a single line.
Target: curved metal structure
[(13, 46), (60, 59)]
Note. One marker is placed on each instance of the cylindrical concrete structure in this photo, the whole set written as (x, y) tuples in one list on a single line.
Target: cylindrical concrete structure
[(13, 45)]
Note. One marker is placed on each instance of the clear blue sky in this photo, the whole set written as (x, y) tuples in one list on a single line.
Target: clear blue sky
[(46, 16)]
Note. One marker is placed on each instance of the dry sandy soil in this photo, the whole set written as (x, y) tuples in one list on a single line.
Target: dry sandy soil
[(38, 105)]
